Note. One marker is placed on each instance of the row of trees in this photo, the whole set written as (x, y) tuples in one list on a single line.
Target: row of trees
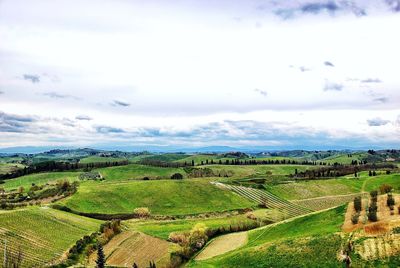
[(50, 166), (338, 170)]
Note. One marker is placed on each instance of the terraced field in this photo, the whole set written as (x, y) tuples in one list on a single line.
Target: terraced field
[(272, 201), (43, 234), (320, 203)]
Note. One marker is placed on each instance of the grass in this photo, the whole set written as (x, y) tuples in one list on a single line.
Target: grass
[(162, 197), (344, 158), (162, 229), (303, 242), (99, 159), (373, 183), (317, 188), (136, 171), (42, 234), (9, 167), (39, 179)]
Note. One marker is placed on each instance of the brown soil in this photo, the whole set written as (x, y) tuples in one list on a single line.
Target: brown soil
[(223, 244), (131, 246)]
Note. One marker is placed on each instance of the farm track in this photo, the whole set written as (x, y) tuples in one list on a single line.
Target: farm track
[(271, 200)]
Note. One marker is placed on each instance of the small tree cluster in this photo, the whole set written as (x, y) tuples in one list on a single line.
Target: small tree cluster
[(390, 201), (357, 204), (142, 212), (177, 176)]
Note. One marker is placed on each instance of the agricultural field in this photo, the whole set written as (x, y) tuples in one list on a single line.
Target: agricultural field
[(39, 179), (136, 171), (99, 159), (9, 167), (162, 197), (42, 234)]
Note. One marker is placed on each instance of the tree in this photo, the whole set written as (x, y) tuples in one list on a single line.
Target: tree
[(135, 265), (357, 204), (100, 262), (370, 173)]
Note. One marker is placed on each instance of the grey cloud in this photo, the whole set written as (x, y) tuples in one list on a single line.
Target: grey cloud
[(262, 92), (120, 103), (83, 117), (31, 77), (381, 99), (328, 63), (107, 129), (376, 122), (394, 5), (14, 123), (56, 95), (1, 92), (332, 86), (301, 68), (330, 7), (371, 80)]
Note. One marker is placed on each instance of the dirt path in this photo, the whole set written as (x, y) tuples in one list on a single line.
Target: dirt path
[(223, 244), (327, 196)]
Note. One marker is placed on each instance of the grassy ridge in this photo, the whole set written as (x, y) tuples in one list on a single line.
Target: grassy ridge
[(9, 167), (303, 242), (164, 197), (99, 159), (43, 234), (39, 179), (136, 171)]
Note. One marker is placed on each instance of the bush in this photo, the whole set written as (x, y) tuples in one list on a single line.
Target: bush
[(177, 176), (390, 201), (357, 203), (354, 218), (372, 215), (141, 212), (385, 188)]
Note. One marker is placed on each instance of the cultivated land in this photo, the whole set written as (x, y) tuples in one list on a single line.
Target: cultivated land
[(162, 197), (43, 234), (217, 215)]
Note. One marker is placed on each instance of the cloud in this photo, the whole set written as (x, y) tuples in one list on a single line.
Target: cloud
[(394, 5), (381, 99), (301, 68), (1, 92), (107, 130), (83, 117), (371, 80), (120, 103), (328, 63), (376, 122), (330, 7), (33, 78), (316, 8), (14, 123), (56, 95), (332, 86), (262, 92)]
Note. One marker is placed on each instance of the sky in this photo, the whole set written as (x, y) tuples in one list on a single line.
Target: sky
[(178, 74)]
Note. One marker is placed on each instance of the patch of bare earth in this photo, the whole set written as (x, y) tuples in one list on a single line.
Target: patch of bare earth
[(348, 226), (223, 244), (131, 247), (379, 247)]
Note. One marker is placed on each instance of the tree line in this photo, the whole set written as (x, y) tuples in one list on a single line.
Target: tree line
[(338, 171), (51, 166)]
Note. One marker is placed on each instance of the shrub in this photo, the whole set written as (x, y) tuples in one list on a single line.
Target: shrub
[(177, 176), (357, 203), (354, 218), (385, 188), (372, 215), (390, 201), (179, 238), (396, 230), (141, 212)]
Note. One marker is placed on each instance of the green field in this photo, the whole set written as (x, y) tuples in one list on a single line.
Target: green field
[(43, 234), (162, 197), (303, 242), (136, 171), (39, 179), (9, 167), (344, 158), (99, 159), (162, 229)]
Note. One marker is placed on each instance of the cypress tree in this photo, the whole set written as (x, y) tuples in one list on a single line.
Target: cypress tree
[(100, 262)]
